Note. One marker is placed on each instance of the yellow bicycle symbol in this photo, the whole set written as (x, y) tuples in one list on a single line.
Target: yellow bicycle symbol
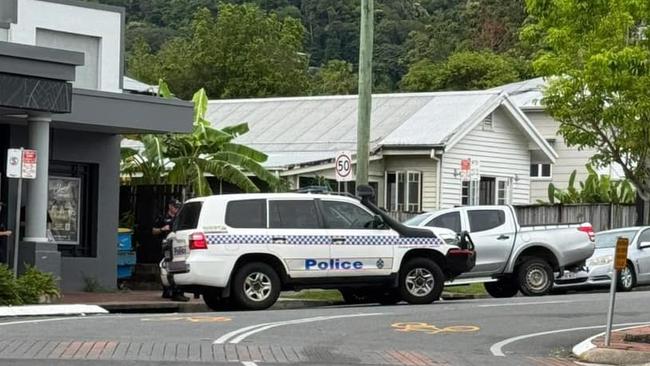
[(192, 319), (432, 329)]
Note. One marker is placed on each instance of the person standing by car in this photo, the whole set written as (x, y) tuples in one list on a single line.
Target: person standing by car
[(161, 228)]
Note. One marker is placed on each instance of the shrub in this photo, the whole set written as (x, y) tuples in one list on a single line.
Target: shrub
[(34, 284), (9, 294)]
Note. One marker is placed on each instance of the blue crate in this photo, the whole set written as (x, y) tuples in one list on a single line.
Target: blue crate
[(124, 271), (126, 258), (124, 241)]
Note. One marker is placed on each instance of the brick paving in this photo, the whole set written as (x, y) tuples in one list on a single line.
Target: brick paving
[(619, 342), (209, 353)]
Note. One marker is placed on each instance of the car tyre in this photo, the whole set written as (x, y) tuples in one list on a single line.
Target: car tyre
[(502, 288), (626, 280), (255, 286), (421, 281), (213, 300), (535, 277)]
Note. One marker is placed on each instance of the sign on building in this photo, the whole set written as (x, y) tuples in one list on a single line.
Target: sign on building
[(343, 166), (29, 164), (469, 170)]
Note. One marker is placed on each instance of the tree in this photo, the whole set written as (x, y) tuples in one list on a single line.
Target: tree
[(595, 189), (336, 77), (188, 159), (240, 52), (462, 71), (597, 57)]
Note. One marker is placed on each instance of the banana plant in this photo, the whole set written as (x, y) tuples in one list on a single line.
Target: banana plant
[(595, 189)]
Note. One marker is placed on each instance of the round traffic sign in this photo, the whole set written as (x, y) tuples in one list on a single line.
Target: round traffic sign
[(343, 165)]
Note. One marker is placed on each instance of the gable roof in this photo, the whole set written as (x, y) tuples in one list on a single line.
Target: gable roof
[(525, 94), (294, 131)]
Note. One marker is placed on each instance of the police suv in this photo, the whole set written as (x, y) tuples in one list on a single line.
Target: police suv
[(246, 248)]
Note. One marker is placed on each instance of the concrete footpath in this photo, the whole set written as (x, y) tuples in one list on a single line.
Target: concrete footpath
[(628, 346)]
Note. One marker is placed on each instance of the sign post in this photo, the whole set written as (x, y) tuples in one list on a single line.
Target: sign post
[(21, 163), (620, 262)]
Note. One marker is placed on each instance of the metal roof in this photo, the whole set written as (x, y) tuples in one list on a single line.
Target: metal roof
[(309, 129), (525, 94)]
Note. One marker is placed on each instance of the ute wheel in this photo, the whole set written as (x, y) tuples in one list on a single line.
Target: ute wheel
[(421, 281), (535, 277), (255, 286), (502, 288), (626, 279)]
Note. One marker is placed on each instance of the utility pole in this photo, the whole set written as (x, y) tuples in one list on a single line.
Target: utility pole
[(365, 90)]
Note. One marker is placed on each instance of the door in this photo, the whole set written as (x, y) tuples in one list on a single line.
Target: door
[(643, 259), (487, 191), (298, 237), (493, 233), (358, 249)]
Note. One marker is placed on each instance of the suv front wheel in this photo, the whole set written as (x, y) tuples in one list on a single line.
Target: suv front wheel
[(255, 286), (421, 281)]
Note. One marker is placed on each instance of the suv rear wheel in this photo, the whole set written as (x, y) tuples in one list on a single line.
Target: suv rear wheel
[(255, 286), (535, 277), (421, 281)]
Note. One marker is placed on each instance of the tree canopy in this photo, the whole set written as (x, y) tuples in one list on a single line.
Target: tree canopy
[(597, 55)]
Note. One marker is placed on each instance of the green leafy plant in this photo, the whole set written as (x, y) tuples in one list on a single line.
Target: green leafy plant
[(595, 189), (34, 285), (9, 294), (91, 284), (188, 159)]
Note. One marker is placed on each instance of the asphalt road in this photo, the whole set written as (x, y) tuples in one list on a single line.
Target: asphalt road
[(461, 332)]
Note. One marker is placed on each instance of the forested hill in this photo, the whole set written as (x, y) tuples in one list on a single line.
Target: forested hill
[(419, 45)]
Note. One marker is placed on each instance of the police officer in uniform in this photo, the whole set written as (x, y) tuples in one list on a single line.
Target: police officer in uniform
[(161, 228)]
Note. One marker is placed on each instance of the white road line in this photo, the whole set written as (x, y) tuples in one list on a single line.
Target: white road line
[(248, 363), (239, 335), (526, 303), (77, 317), (496, 348)]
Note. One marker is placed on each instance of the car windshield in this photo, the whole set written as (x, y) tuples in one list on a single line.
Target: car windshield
[(608, 240), (417, 220)]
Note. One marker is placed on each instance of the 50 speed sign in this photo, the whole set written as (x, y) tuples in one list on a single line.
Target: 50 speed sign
[(343, 166)]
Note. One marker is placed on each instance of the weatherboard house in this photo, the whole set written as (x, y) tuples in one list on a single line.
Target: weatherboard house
[(428, 150), (62, 94)]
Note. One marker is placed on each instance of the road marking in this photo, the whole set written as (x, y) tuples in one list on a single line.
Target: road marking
[(76, 318), (496, 348), (191, 319), (432, 329), (239, 335), (526, 303), (248, 363)]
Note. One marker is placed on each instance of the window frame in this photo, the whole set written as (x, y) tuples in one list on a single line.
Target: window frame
[(457, 213), (488, 122), (405, 205), (540, 167)]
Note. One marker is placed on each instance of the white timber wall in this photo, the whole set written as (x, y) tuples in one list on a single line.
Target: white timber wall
[(503, 152), (34, 15), (569, 158)]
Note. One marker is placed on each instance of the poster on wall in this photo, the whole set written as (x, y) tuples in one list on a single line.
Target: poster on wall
[(63, 209)]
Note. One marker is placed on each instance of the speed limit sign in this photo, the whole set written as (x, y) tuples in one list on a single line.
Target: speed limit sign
[(343, 166)]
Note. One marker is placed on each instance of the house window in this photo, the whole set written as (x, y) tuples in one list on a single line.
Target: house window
[(488, 123), (470, 193), (503, 193), (404, 191), (540, 170), (486, 191)]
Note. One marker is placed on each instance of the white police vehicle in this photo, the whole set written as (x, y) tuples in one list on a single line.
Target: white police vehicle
[(246, 248)]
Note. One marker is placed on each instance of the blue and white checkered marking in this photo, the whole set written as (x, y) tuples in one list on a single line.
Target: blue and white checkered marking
[(321, 240)]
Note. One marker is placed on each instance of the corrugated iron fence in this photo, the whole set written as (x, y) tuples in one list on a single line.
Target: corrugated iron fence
[(602, 216)]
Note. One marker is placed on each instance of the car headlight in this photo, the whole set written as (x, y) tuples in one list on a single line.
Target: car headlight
[(599, 261)]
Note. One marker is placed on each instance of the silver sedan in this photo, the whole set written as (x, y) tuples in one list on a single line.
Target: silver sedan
[(599, 267)]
